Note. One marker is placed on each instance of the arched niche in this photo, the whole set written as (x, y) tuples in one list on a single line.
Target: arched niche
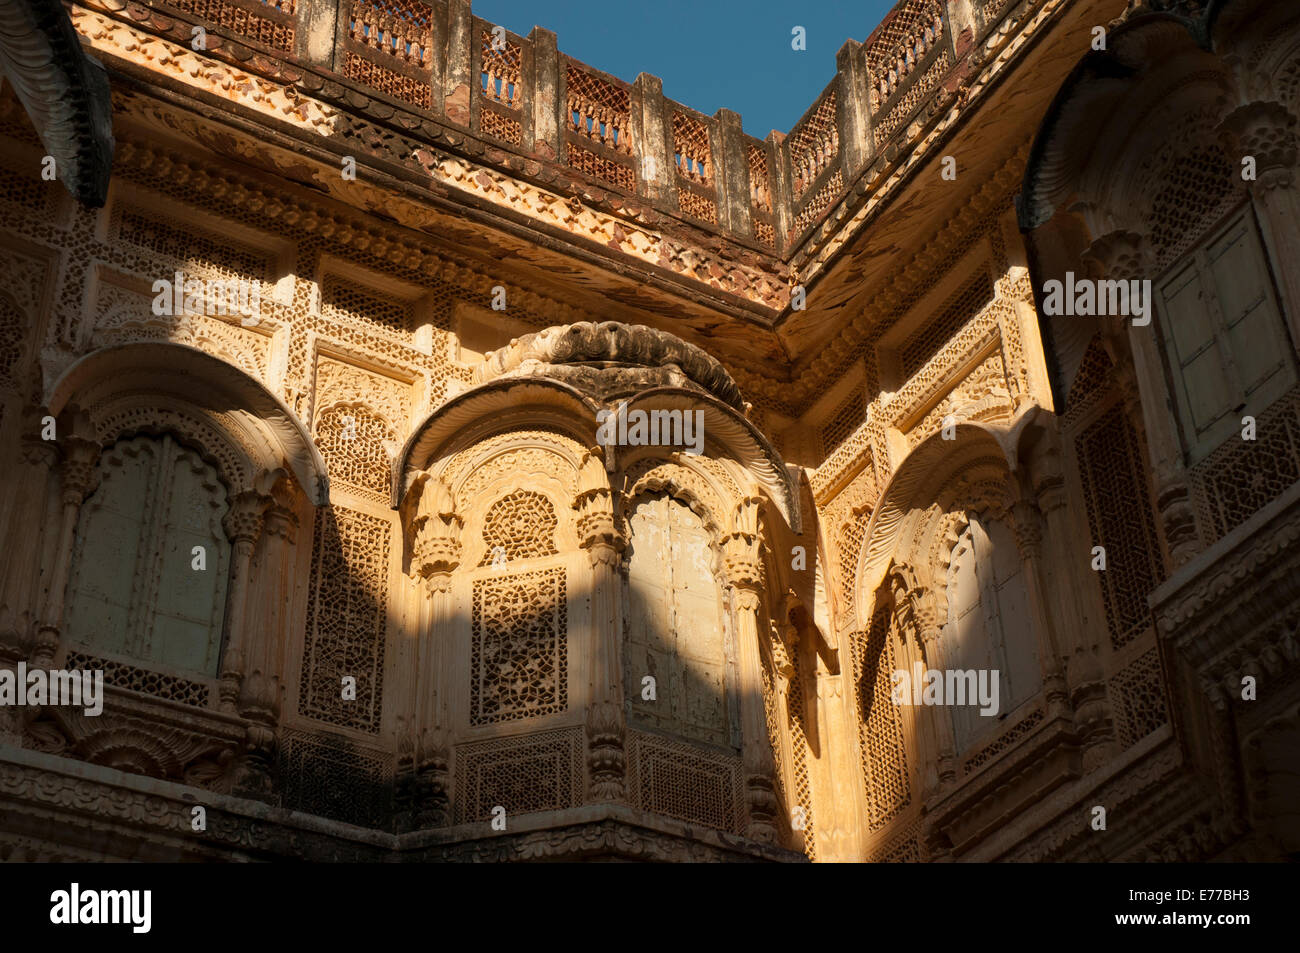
[(153, 387), (935, 474)]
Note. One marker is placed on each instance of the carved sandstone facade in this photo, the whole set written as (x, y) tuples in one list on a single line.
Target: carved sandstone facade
[(431, 595)]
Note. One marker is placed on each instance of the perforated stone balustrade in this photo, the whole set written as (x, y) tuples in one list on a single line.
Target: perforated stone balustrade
[(520, 104)]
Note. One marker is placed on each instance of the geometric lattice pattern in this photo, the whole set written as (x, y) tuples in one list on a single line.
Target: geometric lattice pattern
[(679, 780), (352, 441), (1194, 192), (1242, 476), (142, 680), (1137, 697), (894, 46), (1007, 739), (521, 525), (598, 110), (336, 778), (691, 147), (968, 301), (197, 252), (902, 848), (697, 206), (799, 746), (773, 720), (524, 774), (390, 82), (599, 167), (848, 547), (851, 412), (519, 650), (880, 727), (499, 74), (814, 143), (1089, 380), (355, 306), (760, 187), (13, 331), (819, 202), (247, 23), (1113, 473), (501, 127), (397, 27), (347, 614)]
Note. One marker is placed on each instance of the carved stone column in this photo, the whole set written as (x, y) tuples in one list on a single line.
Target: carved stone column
[(929, 631), (243, 524), (1126, 256), (80, 475), (26, 485), (600, 535), (435, 554), (743, 567), (1085, 679), (258, 693), (1027, 522), (1266, 133)]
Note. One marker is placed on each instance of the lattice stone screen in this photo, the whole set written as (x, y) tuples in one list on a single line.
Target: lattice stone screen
[(524, 774), (924, 343), (270, 23), (682, 781), (880, 729), (1138, 697), (500, 70), (347, 616), (519, 657), (1120, 516), (334, 777), (387, 45)]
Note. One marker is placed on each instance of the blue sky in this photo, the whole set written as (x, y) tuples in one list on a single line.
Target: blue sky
[(709, 53)]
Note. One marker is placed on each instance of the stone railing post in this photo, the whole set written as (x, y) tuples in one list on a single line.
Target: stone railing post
[(458, 63), (732, 175), (853, 109), (317, 34), (652, 142), (543, 122)]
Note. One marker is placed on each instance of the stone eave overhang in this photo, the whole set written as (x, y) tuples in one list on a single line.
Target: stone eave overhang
[(977, 69), (64, 92)]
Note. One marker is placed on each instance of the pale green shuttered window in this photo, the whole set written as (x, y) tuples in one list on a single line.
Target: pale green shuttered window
[(1226, 345), (135, 590), (674, 625)]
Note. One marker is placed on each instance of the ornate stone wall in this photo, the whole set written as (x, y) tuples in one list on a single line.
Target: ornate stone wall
[(367, 577)]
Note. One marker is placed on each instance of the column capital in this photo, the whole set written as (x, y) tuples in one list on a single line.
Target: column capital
[(1266, 132), (1121, 254), (80, 469), (243, 523), (1028, 526)]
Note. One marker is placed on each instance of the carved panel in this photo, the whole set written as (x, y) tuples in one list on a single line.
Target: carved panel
[(880, 728), (347, 617), (1138, 697), (688, 783), (519, 654), (334, 777), (796, 713), (519, 526), (1121, 517), (524, 774)]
